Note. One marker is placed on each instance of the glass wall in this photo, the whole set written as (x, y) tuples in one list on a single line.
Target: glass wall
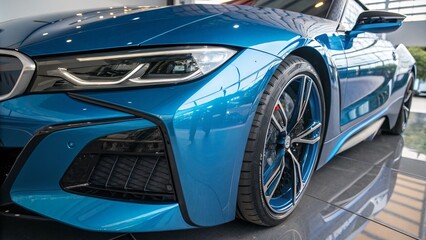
[(414, 9)]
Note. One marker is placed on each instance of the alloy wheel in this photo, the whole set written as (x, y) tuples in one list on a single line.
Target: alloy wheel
[(292, 143)]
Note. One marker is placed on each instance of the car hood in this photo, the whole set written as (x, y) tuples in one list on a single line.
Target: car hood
[(241, 26), (97, 29)]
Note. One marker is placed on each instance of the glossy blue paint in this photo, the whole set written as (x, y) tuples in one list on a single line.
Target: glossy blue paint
[(71, 32), (208, 120), (37, 187), (270, 30), (23, 116), (329, 46), (371, 68), (204, 118), (102, 215), (274, 31)]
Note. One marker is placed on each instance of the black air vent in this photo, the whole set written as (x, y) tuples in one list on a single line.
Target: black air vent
[(8, 157), (129, 166)]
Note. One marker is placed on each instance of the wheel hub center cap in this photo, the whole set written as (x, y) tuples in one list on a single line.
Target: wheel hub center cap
[(287, 142)]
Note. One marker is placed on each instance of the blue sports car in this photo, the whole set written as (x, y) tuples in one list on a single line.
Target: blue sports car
[(157, 118)]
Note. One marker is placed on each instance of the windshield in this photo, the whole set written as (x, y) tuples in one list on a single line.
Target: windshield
[(317, 8)]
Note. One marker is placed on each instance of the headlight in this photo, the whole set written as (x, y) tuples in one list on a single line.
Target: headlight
[(128, 69)]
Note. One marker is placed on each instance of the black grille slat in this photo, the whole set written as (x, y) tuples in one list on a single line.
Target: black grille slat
[(131, 173), (142, 172), (111, 171), (158, 178), (150, 175), (121, 173), (129, 168), (102, 171)]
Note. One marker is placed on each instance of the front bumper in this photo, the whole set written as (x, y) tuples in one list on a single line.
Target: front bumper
[(37, 186), (206, 122)]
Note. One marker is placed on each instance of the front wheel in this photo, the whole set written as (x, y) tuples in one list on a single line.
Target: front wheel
[(284, 144)]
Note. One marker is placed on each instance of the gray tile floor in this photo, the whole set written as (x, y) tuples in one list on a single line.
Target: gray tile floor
[(376, 190)]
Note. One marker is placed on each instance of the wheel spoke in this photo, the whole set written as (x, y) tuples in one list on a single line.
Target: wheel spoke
[(302, 101), (304, 94), (297, 174), (406, 109), (409, 93), (281, 125), (277, 124), (301, 138), (294, 184), (406, 112), (282, 112), (271, 185)]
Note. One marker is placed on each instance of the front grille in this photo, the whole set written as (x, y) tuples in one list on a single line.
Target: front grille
[(129, 166), (8, 157)]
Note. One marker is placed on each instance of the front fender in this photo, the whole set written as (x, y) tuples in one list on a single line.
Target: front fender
[(208, 122)]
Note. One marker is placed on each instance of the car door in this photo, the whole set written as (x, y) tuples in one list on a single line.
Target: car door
[(371, 65)]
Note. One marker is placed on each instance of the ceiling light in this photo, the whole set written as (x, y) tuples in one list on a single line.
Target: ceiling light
[(319, 4)]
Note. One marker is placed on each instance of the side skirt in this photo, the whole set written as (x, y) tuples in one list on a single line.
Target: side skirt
[(362, 135)]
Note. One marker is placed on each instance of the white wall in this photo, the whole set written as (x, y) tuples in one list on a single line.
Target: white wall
[(410, 34), (10, 9)]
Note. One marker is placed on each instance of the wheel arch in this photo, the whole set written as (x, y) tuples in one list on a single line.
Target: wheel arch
[(414, 70), (318, 55), (391, 121)]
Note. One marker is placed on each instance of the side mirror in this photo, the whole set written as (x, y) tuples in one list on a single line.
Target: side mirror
[(377, 22)]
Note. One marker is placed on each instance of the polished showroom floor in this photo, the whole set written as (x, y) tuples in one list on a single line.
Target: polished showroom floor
[(376, 190)]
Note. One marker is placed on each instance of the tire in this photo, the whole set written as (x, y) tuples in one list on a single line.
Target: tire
[(404, 113), (280, 152)]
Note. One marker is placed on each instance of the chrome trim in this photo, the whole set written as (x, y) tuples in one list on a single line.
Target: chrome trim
[(63, 72), (81, 82), (152, 81), (24, 79)]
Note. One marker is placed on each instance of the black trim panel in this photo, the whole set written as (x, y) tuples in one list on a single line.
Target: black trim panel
[(15, 211)]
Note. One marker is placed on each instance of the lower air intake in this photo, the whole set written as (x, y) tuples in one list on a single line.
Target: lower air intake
[(8, 157), (129, 166)]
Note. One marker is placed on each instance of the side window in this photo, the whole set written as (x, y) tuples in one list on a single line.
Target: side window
[(352, 11)]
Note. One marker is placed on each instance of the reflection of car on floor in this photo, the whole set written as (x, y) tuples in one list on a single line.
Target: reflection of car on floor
[(151, 119), (419, 86), (364, 193)]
